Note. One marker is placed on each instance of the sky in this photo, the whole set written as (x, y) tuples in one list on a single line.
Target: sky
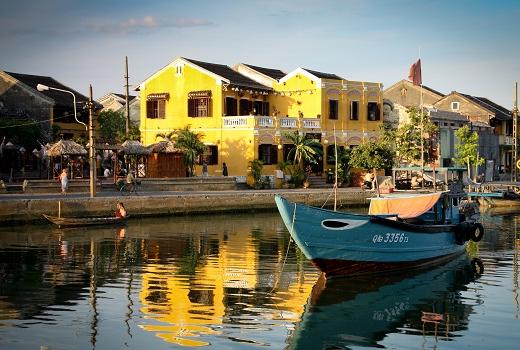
[(469, 46)]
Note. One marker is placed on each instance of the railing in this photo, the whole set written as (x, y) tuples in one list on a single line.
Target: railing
[(270, 122), (288, 123), (311, 123), (233, 122)]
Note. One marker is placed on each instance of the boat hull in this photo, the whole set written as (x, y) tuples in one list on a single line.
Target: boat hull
[(350, 244), (76, 222)]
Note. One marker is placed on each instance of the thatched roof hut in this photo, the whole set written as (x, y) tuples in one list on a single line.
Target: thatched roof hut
[(66, 147), (165, 160), (134, 148)]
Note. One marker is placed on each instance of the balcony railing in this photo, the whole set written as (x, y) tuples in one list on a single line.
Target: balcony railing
[(269, 122)]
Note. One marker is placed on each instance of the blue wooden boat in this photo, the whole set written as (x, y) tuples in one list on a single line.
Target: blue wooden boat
[(424, 229)]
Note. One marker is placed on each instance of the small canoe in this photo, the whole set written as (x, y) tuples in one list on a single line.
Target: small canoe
[(72, 222)]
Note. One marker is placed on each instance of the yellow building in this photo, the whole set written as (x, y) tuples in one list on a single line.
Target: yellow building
[(244, 111)]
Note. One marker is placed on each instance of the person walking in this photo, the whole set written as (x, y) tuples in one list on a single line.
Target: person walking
[(205, 169), (64, 179), (224, 169)]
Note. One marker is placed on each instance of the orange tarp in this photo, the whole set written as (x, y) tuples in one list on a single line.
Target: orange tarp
[(404, 207)]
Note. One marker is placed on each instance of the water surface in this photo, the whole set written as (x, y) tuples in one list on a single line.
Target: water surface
[(235, 282)]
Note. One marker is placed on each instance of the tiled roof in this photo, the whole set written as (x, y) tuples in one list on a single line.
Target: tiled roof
[(323, 75), (226, 72), (272, 73), (501, 113), (432, 90), (447, 115), (130, 97), (60, 98)]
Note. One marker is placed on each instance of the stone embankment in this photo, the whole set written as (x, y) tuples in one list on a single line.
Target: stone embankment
[(25, 209)]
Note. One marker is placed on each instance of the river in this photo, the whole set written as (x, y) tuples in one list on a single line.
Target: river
[(236, 282)]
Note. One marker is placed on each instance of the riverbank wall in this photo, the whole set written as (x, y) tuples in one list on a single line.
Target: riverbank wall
[(30, 210)]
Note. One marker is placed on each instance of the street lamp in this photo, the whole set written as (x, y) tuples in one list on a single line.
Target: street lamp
[(41, 87)]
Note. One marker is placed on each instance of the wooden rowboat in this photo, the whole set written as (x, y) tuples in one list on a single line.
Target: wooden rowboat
[(74, 222)]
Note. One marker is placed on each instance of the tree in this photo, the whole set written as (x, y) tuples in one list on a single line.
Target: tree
[(407, 138), (305, 149), (112, 126), (372, 155), (191, 144), (466, 150)]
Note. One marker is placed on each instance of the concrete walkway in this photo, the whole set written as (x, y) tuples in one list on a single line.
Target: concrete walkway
[(24, 208)]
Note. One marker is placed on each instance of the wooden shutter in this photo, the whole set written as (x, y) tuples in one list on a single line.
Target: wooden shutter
[(192, 108), (274, 154), (161, 109)]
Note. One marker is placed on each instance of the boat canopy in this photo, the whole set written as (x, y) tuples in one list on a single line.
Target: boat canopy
[(405, 207)]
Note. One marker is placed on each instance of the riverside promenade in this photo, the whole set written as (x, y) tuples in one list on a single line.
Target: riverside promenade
[(28, 208)]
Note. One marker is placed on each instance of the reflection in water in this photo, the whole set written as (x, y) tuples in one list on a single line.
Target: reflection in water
[(426, 302), (182, 279), (234, 282)]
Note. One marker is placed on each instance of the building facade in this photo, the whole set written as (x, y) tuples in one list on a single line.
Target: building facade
[(19, 99), (480, 110), (245, 112)]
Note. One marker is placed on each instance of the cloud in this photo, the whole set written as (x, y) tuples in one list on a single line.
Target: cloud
[(146, 24)]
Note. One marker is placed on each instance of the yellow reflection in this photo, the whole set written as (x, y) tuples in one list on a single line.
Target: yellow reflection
[(189, 306)]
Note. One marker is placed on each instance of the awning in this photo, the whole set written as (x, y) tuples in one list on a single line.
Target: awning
[(200, 94), (158, 96), (404, 207)]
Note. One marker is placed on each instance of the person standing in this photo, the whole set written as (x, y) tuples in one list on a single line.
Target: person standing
[(120, 210), (224, 169), (205, 169), (64, 179)]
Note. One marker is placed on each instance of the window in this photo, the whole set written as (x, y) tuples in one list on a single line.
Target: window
[(261, 108), (156, 109), (455, 106), (178, 70), (210, 155), (199, 104), (268, 154), (231, 106), (333, 109), (354, 110), (245, 107), (373, 112)]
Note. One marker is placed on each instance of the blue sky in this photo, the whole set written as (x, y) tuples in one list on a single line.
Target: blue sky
[(468, 46)]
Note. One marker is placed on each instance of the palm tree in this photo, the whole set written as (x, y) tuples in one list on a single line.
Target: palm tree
[(191, 145), (167, 136), (305, 149)]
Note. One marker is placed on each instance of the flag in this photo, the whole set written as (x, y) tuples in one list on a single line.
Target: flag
[(415, 75)]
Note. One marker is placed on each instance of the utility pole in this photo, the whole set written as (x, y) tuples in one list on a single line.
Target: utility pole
[(127, 105), (92, 150), (514, 167)]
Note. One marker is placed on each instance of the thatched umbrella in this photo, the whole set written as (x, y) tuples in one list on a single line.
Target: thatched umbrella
[(134, 148), (137, 153), (164, 147), (66, 147)]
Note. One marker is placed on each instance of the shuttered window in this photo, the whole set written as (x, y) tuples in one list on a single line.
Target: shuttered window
[(156, 109), (246, 107), (199, 107)]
